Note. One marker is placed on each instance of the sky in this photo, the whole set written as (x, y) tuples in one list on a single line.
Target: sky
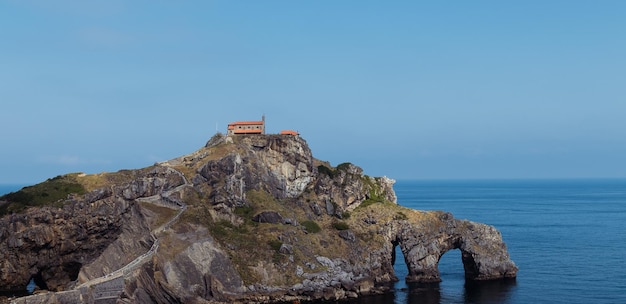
[(404, 89)]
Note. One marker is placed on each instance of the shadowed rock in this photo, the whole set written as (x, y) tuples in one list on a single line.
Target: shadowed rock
[(271, 217)]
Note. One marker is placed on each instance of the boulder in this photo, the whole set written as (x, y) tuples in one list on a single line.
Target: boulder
[(271, 217)]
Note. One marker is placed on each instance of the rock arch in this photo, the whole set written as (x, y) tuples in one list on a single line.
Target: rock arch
[(483, 253)]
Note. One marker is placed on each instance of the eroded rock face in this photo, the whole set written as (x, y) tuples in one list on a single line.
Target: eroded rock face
[(348, 187), (276, 164), (423, 240), (484, 253), (352, 255), (202, 270), (53, 244), (88, 237)]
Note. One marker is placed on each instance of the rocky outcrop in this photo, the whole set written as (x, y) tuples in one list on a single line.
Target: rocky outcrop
[(202, 270), (346, 185), (246, 218), (271, 217), (283, 168), (52, 245), (484, 254), (87, 237)]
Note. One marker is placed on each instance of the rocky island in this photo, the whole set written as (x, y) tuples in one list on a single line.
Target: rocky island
[(245, 219)]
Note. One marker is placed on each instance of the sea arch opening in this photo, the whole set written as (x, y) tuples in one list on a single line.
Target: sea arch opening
[(399, 266), (451, 266), (427, 262)]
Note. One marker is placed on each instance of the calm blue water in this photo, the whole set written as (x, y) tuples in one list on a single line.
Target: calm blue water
[(568, 237)]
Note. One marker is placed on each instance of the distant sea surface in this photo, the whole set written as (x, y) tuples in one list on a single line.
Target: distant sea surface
[(568, 238), (4, 189)]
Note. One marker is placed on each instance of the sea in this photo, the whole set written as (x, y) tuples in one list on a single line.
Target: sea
[(568, 238)]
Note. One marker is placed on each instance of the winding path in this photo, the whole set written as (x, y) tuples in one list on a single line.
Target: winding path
[(111, 285), (140, 260)]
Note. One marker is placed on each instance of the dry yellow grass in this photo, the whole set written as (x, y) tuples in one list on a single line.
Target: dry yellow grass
[(163, 214)]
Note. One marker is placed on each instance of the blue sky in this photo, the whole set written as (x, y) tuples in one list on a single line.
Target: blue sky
[(410, 90)]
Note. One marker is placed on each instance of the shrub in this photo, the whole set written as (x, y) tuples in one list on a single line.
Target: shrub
[(400, 216), (311, 226), (325, 170), (218, 230), (341, 225), (245, 211), (367, 202), (275, 244), (225, 230)]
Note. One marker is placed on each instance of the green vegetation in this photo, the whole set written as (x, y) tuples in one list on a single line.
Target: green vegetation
[(325, 170), (277, 257), (220, 229), (400, 216), (375, 193), (275, 244), (341, 225), (49, 193), (367, 203), (245, 212), (246, 241), (260, 199), (225, 230), (322, 169), (311, 226)]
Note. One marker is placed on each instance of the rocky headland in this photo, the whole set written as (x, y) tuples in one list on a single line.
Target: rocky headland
[(248, 219)]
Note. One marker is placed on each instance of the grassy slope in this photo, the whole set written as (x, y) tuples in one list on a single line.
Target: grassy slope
[(54, 191), (51, 192)]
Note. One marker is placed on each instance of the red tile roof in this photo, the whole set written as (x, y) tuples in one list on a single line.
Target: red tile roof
[(288, 132), (245, 123)]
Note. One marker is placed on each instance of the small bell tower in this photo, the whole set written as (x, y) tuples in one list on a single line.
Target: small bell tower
[(263, 120)]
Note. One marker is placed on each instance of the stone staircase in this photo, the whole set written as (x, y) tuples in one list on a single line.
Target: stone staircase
[(107, 288)]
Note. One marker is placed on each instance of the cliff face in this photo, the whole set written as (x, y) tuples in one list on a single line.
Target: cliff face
[(245, 218), (52, 245), (55, 246)]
